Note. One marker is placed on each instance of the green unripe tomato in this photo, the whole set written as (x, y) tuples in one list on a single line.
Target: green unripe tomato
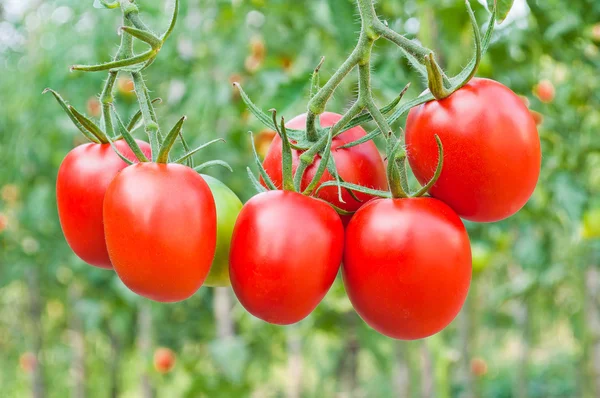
[(591, 224), (482, 255), (228, 207)]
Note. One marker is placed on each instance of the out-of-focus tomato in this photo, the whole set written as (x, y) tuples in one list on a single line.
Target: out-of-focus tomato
[(545, 91), (164, 360)]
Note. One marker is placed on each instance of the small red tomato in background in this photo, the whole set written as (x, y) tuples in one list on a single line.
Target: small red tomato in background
[(3, 222), (479, 367), (407, 266), (83, 178), (161, 230), (596, 32), (544, 90), (492, 154), (125, 87), (28, 362), (94, 108), (164, 360), (262, 142), (286, 251), (361, 164)]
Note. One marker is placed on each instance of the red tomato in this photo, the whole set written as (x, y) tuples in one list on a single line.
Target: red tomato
[(492, 151), (164, 360), (161, 230), (479, 367), (544, 90), (28, 362), (361, 164), (407, 266), (286, 250), (83, 177)]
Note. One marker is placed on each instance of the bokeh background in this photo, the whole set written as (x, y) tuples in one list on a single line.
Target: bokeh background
[(531, 325)]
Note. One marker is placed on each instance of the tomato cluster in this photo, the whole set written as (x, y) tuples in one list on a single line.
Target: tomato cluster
[(406, 262), (160, 226), (334, 201)]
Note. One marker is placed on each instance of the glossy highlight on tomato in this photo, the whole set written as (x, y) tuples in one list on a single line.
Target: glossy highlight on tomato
[(286, 251), (361, 164), (407, 266), (492, 154), (83, 178), (161, 230)]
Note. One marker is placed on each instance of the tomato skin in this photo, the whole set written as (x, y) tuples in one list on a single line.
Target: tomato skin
[(161, 230), (286, 251), (83, 178), (228, 207), (361, 164), (492, 153), (407, 266)]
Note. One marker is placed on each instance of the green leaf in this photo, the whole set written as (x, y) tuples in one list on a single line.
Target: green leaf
[(65, 106), (263, 117), (261, 169), (89, 125), (259, 188), (129, 138), (211, 163), (144, 36), (193, 152), (502, 8), (357, 188), (165, 149)]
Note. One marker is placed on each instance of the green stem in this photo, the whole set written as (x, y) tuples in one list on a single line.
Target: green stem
[(106, 97), (148, 115), (312, 134)]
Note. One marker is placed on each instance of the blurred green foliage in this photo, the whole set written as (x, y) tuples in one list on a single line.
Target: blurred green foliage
[(531, 325)]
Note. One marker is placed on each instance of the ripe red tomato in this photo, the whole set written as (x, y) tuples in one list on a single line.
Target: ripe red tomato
[(544, 90), (479, 367), (161, 230), (361, 164), (407, 266), (492, 153), (28, 362), (83, 177), (164, 360), (286, 250)]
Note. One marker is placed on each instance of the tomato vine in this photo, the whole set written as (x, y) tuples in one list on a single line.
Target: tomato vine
[(315, 140)]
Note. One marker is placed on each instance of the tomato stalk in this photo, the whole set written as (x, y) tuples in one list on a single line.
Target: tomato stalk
[(125, 61), (314, 139)]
